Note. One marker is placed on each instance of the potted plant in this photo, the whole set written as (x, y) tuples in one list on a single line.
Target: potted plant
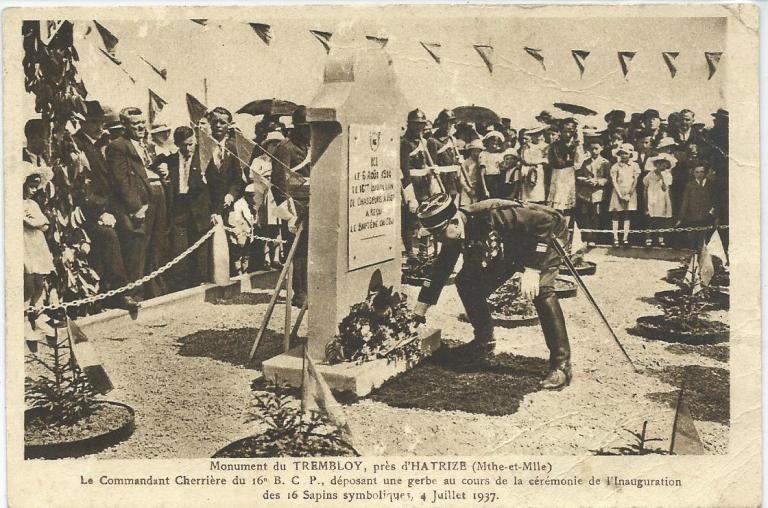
[(682, 321), (689, 283), (582, 266), (510, 308), (382, 326), (288, 432), (64, 418)]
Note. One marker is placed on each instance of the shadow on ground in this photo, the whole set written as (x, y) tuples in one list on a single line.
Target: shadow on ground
[(446, 382), (247, 299), (232, 346), (707, 391), (719, 352)]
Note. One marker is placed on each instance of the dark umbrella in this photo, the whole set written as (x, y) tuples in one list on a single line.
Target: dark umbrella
[(476, 114), (574, 109), (270, 107)]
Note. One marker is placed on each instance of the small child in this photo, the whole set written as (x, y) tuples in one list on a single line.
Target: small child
[(591, 179), (656, 186), (624, 175), (533, 153)]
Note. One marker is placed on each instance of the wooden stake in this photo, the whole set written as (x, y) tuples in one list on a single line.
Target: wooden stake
[(288, 306)]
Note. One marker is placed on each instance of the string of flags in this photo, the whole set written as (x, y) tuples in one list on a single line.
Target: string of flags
[(485, 51)]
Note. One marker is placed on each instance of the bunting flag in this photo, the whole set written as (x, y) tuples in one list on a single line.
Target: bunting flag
[(431, 48), (197, 110), (87, 359), (577, 244), (315, 393), (536, 53), (205, 147), (109, 40), (324, 38), (49, 28), (706, 267), (625, 57), (244, 151), (381, 41), (264, 31), (163, 73), (486, 52), (580, 56), (119, 65), (669, 58), (713, 58), (685, 440), (715, 247), (156, 104), (201, 22)]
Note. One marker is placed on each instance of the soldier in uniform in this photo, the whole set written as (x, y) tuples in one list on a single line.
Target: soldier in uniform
[(499, 238), (415, 156), (291, 168), (443, 151)]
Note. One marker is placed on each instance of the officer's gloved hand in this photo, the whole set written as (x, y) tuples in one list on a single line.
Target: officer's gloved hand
[(529, 283)]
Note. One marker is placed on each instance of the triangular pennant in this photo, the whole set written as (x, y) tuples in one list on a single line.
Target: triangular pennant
[(263, 30), (715, 247), (324, 38), (669, 58), (706, 267), (109, 40), (625, 57), (87, 359), (49, 28), (316, 393), (577, 244), (205, 146), (156, 104), (197, 109), (580, 56), (244, 150), (486, 52), (431, 48), (163, 73), (713, 58), (685, 440), (201, 22), (536, 53), (381, 41)]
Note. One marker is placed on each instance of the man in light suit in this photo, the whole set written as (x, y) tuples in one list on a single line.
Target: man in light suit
[(128, 160)]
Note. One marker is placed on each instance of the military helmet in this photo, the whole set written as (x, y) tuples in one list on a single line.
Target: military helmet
[(444, 116), (435, 212), (417, 116)]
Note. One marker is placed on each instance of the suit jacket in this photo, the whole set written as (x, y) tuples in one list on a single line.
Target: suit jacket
[(97, 196), (225, 179), (697, 203), (129, 176), (196, 202), (290, 155)]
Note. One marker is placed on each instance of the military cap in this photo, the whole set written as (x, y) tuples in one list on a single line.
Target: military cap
[(445, 115), (651, 113), (417, 115), (299, 116), (436, 211)]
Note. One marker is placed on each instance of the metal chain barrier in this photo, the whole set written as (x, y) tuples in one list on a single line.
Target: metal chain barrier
[(127, 287), (662, 230)]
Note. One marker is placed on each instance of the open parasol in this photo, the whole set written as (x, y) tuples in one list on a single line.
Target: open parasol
[(476, 114), (269, 107), (574, 109)]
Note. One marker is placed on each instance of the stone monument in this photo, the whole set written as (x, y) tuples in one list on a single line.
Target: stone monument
[(354, 221)]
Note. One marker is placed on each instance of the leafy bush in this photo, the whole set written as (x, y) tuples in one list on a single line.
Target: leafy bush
[(379, 327), (508, 301)]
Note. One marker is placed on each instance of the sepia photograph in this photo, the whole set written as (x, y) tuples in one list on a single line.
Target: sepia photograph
[(490, 243)]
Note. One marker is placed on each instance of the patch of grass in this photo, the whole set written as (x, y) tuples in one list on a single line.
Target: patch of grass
[(247, 299), (707, 391), (447, 382)]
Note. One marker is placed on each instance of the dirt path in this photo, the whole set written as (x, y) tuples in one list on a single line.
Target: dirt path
[(185, 377)]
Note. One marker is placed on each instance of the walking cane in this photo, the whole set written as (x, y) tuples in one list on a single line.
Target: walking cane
[(561, 251)]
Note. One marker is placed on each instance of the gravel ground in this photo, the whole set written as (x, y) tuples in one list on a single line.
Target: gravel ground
[(186, 378)]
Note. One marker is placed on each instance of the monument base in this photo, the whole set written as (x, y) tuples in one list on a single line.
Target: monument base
[(359, 379)]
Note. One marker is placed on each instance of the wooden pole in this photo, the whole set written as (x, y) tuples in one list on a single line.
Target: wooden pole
[(280, 279), (288, 305), (295, 330)]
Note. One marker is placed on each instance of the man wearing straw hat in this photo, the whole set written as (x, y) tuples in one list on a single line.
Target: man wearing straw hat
[(498, 239)]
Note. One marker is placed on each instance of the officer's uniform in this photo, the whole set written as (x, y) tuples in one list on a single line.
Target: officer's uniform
[(502, 237), (442, 148)]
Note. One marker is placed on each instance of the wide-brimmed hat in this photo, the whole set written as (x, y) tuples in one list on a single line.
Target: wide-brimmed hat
[(538, 129), (159, 127), (274, 136), (44, 172), (720, 113), (668, 157), (494, 134), (475, 144), (93, 111), (665, 142), (626, 148)]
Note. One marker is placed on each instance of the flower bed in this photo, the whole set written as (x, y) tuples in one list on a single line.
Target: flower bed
[(417, 270), (712, 299), (583, 268), (660, 328), (565, 288), (510, 308)]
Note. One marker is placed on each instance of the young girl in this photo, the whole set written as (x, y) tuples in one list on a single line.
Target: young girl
[(533, 153), (658, 204), (624, 175), (38, 261)]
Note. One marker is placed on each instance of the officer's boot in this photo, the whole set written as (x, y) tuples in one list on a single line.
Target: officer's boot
[(556, 337), (483, 344)]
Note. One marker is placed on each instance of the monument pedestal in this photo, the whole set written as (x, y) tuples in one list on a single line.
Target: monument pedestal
[(359, 379)]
